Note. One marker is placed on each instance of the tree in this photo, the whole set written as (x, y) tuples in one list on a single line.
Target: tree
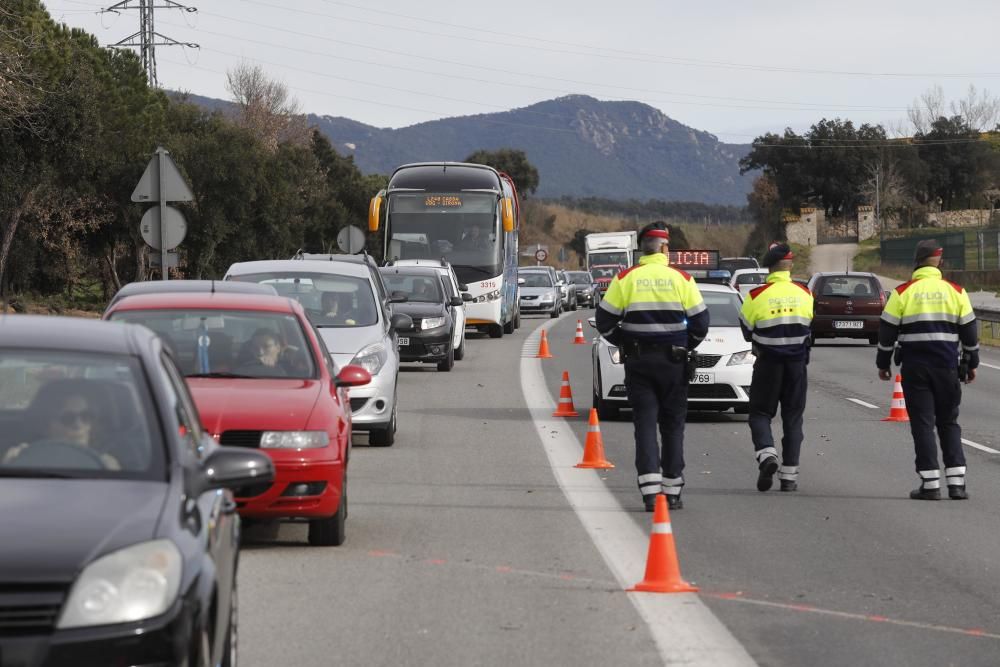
[(960, 165), (512, 162), (266, 106), (764, 203)]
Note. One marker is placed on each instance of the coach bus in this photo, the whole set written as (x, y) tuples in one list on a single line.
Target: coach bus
[(465, 214)]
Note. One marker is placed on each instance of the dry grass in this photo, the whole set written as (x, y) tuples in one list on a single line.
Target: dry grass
[(729, 239)]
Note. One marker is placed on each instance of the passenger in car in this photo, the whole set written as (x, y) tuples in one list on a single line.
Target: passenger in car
[(62, 413)]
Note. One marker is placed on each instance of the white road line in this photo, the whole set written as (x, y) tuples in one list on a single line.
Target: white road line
[(862, 403), (988, 450), (685, 630), (983, 363)]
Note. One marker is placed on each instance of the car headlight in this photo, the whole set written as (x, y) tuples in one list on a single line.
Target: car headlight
[(128, 585), (616, 355), (431, 323), (547, 298), (294, 439), (744, 357), (371, 357)]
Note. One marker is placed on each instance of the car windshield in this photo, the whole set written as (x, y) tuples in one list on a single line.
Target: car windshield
[(230, 343), (848, 286), (723, 308), (751, 279), (535, 279), (737, 263), (75, 414), (580, 278), (330, 300), (420, 288)]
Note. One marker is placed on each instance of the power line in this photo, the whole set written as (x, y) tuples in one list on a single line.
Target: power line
[(148, 38)]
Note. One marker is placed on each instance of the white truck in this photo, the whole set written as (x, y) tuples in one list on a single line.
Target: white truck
[(611, 248)]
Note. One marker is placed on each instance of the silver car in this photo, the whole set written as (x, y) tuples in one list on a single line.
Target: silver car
[(345, 305), (539, 292)]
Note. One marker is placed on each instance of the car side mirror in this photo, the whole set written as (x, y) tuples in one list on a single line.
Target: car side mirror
[(467, 297), (400, 322), (352, 376), (456, 301), (398, 297), (462, 287), (230, 468), (592, 321), (886, 293)]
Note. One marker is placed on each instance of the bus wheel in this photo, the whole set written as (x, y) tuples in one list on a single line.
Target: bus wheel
[(495, 331)]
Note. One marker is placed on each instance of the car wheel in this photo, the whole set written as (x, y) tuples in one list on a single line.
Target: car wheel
[(605, 410), (509, 327), (460, 350), (201, 648), (230, 654), (573, 306), (330, 532), (517, 319), (556, 312), (384, 437), (495, 331), (448, 363)]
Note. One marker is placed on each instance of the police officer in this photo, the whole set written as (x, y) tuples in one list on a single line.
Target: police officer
[(929, 317), (776, 317), (655, 314)]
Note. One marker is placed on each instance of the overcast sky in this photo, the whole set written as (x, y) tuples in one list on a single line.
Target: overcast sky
[(735, 68)]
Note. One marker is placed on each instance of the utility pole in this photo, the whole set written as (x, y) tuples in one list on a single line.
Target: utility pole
[(878, 190), (148, 38)]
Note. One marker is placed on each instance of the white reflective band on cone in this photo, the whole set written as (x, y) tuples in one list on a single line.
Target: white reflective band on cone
[(662, 529), (595, 429)]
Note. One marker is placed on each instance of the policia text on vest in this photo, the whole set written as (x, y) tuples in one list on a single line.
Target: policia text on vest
[(655, 314), (929, 318)]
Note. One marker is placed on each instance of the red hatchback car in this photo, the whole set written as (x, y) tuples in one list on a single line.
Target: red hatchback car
[(847, 305), (262, 378)]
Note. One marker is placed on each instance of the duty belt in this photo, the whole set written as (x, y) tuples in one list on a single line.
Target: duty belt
[(675, 353)]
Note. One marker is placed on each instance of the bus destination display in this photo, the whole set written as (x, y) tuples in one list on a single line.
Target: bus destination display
[(442, 201)]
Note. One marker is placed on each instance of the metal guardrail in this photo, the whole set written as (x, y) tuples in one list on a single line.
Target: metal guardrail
[(989, 325)]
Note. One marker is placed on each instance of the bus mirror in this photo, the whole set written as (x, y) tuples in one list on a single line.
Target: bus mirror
[(374, 213), (507, 214)]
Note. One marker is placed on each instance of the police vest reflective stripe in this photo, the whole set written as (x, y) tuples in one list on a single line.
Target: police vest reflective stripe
[(656, 303), (926, 316), (777, 316)]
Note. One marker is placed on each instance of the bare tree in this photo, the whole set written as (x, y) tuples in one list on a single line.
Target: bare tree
[(886, 184), (980, 110), (926, 109), (266, 106)]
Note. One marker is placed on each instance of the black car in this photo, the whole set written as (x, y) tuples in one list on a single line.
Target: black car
[(586, 290), (162, 286), (430, 338), (120, 536)]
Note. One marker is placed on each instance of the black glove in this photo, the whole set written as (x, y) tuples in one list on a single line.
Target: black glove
[(963, 367)]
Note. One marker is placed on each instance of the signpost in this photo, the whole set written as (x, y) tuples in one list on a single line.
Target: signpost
[(541, 255), (163, 227), (351, 239)]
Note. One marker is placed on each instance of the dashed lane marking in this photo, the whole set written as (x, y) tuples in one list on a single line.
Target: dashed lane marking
[(983, 363), (984, 448), (864, 404), (686, 632)]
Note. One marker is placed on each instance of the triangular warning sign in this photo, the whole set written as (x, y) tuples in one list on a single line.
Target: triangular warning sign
[(174, 186)]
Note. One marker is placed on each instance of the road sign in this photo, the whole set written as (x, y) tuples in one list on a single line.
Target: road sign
[(156, 259), (175, 227), (541, 255), (351, 239), (174, 186)]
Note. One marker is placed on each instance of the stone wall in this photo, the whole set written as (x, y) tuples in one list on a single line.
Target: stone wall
[(801, 228), (866, 223), (964, 218)]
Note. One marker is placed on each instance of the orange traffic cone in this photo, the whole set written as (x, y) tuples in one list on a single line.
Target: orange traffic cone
[(593, 448), (897, 411), (565, 407), (543, 348), (663, 572), (579, 340)]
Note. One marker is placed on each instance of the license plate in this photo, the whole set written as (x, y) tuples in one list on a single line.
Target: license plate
[(703, 378), (848, 324), (403, 342)]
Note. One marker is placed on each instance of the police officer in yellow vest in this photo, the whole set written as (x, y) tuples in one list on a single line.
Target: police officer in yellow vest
[(929, 317), (655, 314), (775, 318)]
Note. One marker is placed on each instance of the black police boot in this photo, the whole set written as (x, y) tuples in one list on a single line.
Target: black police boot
[(650, 501), (957, 492), (674, 502), (925, 494), (789, 485), (767, 468)]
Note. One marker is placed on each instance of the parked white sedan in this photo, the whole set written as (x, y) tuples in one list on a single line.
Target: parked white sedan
[(725, 362), (746, 280)]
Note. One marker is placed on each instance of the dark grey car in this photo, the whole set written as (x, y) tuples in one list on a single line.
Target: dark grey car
[(120, 535)]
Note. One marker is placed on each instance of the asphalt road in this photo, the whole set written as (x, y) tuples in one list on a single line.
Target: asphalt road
[(462, 549)]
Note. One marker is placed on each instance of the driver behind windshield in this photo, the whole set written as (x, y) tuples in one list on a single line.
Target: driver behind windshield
[(63, 415), (265, 355), (339, 308)]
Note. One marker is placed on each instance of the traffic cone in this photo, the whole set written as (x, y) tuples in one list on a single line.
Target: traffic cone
[(897, 411), (593, 448), (579, 340), (663, 572), (565, 407), (543, 348)]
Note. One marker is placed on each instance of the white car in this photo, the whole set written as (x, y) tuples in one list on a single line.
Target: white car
[(745, 280), (725, 362), (453, 288)]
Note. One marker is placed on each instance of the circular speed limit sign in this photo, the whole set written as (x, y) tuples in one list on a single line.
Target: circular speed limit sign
[(541, 255)]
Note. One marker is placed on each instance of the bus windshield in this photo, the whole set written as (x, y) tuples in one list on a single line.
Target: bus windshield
[(462, 228)]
